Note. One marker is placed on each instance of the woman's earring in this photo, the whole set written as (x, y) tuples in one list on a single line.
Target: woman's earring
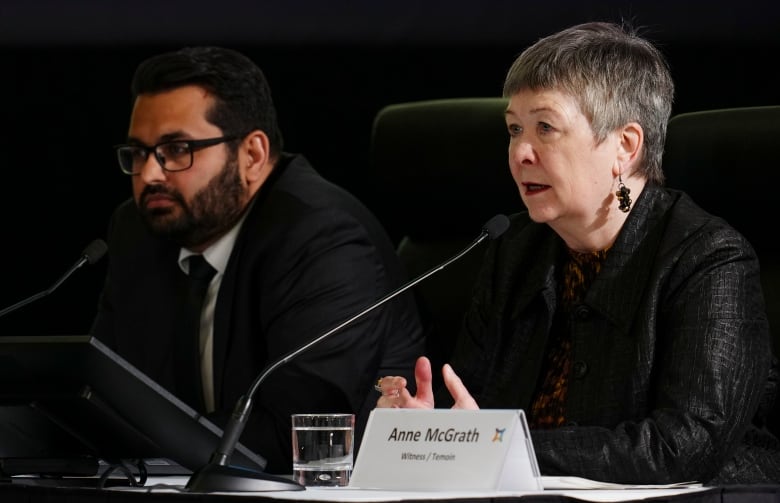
[(623, 196)]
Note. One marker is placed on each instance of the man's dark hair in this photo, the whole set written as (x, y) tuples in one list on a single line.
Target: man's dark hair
[(243, 96)]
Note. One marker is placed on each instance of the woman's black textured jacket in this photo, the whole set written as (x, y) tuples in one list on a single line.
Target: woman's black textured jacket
[(671, 348)]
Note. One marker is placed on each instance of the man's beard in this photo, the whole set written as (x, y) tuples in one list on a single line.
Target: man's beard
[(212, 211)]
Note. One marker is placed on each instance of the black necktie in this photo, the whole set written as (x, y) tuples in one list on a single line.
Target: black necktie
[(188, 374)]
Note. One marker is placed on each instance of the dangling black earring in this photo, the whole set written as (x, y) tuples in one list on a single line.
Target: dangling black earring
[(623, 196)]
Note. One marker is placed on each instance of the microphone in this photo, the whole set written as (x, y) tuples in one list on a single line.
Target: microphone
[(91, 254), (218, 475)]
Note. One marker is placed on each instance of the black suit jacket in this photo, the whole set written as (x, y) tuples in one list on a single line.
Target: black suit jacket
[(309, 256), (670, 348)]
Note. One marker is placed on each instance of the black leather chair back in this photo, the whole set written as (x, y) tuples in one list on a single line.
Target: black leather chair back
[(728, 161), (441, 172)]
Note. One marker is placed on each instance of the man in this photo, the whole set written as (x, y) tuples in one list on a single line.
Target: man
[(294, 257)]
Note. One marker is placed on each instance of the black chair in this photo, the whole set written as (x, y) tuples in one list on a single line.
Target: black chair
[(727, 161), (441, 172)]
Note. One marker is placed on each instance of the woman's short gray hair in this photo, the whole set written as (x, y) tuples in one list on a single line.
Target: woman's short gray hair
[(615, 75)]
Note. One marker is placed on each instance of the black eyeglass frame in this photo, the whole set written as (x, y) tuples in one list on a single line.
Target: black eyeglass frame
[(192, 146)]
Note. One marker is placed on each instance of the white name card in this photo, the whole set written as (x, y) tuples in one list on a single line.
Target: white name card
[(436, 449)]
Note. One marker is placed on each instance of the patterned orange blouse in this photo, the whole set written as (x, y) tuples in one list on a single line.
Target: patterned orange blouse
[(548, 408)]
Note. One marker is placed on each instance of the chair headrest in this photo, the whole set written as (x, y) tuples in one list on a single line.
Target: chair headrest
[(441, 166), (727, 161)]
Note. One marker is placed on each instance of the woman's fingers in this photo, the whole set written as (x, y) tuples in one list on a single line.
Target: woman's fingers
[(461, 395)]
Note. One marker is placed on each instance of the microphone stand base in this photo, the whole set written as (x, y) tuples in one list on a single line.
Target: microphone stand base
[(218, 478)]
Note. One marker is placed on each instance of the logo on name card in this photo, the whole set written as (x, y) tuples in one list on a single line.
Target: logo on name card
[(499, 435)]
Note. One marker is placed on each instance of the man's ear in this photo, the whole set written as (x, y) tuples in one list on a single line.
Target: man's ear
[(255, 160)]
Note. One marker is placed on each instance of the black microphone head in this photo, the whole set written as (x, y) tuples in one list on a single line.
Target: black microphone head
[(496, 226), (95, 251)]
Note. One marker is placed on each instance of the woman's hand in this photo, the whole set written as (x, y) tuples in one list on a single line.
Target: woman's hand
[(396, 395), (458, 391)]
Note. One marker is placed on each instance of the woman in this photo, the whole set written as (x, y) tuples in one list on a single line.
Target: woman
[(627, 322)]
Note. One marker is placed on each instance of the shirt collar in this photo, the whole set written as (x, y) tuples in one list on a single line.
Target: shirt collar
[(218, 253)]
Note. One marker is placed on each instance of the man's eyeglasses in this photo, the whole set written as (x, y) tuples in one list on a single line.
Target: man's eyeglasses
[(173, 155)]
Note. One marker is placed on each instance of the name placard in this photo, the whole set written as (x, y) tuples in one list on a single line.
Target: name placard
[(430, 449)]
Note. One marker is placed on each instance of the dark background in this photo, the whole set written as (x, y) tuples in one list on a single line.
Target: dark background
[(332, 66)]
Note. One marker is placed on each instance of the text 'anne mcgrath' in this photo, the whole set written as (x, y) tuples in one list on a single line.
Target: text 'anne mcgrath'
[(434, 435)]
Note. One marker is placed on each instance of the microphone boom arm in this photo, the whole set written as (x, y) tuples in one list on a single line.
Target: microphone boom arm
[(235, 426), (217, 475), (91, 254)]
